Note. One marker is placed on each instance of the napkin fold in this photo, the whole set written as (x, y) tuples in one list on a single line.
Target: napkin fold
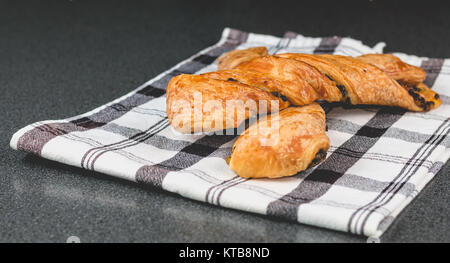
[(379, 159)]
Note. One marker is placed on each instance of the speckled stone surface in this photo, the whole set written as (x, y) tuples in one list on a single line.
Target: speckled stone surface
[(62, 58)]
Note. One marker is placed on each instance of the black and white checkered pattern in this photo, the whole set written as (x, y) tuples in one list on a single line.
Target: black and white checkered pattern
[(379, 160)]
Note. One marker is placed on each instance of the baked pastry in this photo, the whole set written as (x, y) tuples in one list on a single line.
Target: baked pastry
[(250, 83), (375, 79), (196, 103), (299, 82), (282, 144), (252, 75)]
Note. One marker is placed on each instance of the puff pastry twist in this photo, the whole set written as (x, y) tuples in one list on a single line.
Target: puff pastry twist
[(377, 79)]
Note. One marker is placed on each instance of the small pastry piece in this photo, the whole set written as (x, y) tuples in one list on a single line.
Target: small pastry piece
[(282, 144), (199, 104)]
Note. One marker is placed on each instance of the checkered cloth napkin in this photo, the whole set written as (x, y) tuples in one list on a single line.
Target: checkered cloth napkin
[(379, 159)]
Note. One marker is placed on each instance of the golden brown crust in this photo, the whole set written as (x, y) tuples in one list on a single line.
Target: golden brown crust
[(363, 83), (301, 83), (254, 79), (266, 149), (370, 85), (377, 79), (395, 68), (234, 58), (329, 70), (272, 74), (199, 104), (423, 97)]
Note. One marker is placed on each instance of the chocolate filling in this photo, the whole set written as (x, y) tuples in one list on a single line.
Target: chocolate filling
[(320, 156), (330, 78), (415, 88), (420, 101), (276, 94), (231, 79), (342, 89)]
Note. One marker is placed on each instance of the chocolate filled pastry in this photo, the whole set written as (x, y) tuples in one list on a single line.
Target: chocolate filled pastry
[(299, 82), (282, 144), (375, 79), (250, 83)]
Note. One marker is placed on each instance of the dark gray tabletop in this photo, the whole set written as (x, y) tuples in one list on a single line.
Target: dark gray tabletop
[(62, 58)]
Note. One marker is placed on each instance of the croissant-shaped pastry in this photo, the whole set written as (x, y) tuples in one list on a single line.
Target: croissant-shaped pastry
[(282, 144), (198, 104), (375, 79)]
